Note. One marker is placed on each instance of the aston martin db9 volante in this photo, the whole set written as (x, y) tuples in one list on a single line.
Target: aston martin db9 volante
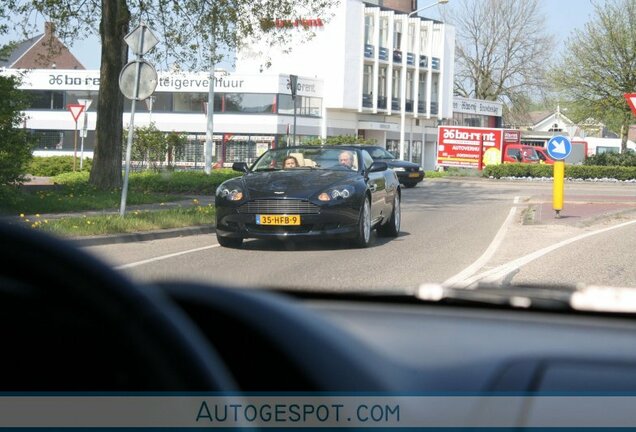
[(309, 192)]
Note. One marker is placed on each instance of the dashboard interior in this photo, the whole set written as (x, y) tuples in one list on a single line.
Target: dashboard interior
[(75, 324)]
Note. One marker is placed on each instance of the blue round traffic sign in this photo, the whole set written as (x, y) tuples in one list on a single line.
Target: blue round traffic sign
[(559, 147)]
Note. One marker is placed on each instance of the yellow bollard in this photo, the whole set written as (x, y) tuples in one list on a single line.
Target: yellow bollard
[(557, 190)]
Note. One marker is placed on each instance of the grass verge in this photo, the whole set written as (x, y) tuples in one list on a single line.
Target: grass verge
[(71, 198), (134, 221)]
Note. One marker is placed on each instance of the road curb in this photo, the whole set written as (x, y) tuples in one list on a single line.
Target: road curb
[(141, 236)]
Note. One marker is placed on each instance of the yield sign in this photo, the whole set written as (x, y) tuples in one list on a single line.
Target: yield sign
[(75, 110), (631, 100)]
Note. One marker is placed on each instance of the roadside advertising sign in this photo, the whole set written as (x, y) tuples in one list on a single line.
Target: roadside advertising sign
[(460, 146)]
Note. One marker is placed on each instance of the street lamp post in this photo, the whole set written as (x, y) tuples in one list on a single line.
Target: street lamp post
[(403, 89)]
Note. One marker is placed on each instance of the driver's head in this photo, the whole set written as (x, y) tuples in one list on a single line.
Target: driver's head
[(346, 159)]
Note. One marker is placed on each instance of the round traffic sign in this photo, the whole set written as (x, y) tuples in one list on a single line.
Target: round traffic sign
[(559, 147), (147, 80)]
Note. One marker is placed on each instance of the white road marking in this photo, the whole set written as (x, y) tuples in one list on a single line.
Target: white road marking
[(488, 253), (163, 257), (503, 270)]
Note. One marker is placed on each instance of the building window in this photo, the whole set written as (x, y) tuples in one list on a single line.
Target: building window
[(368, 30), (384, 31), (423, 40), (44, 99), (434, 94), (367, 86), (250, 103), (397, 34), (305, 105), (555, 128), (382, 88), (421, 94), (186, 102), (409, 91), (396, 90)]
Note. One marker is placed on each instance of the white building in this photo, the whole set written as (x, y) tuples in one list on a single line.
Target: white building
[(252, 112), (386, 76)]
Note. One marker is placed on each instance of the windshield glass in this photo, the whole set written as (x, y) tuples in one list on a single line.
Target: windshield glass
[(380, 153), (416, 166), (295, 158)]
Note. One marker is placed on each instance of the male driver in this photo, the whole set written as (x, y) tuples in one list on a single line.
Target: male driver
[(345, 159)]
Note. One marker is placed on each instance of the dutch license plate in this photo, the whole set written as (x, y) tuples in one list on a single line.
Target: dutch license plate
[(278, 219), (414, 175)]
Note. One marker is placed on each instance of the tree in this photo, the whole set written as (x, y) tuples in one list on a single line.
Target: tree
[(340, 140), (15, 143), (599, 66), (190, 32), (501, 52)]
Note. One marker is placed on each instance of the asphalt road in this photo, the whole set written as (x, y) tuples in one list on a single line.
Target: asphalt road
[(458, 232)]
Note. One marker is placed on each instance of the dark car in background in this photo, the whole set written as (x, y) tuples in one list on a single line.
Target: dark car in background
[(408, 173)]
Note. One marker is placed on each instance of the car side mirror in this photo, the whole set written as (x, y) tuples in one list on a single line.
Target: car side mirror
[(240, 166), (378, 166)]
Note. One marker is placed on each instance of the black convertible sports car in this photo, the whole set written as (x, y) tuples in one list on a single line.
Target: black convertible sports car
[(309, 191)]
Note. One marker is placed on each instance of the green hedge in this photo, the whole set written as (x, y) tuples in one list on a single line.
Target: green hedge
[(54, 165), (193, 182), (613, 159), (571, 171)]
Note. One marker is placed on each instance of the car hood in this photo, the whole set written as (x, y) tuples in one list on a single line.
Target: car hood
[(396, 163), (293, 183)]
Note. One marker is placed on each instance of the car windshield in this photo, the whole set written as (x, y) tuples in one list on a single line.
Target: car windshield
[(332, 149), (311, 157), (378, 153)]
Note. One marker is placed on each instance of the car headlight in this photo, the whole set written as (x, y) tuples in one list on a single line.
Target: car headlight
[(230, 193), (336, 193), (399, 169)]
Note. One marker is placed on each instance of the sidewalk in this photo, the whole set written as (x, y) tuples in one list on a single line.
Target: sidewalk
[(579, 210)]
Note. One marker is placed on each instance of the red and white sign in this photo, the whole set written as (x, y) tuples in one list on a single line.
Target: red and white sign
[(76, 110), (631, 100), (460, 146)]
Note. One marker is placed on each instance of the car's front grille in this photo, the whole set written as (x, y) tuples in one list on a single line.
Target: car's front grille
[(279, 206), (268, 229)]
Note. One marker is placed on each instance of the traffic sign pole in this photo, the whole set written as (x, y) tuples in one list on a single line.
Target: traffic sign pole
[(558, 187), (559, 148), (75, 146)]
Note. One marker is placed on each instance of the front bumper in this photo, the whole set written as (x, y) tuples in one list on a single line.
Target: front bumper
[(331, 222), (410, 176)]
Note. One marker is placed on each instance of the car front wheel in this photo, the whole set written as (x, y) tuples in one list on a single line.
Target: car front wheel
[(363, 238)]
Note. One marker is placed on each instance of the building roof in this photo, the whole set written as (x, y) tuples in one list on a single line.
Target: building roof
[(19, 50), (40, 52)]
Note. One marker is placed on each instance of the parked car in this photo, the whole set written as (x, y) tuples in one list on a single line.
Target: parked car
[(544, 156), (320, 197), (408, 173), (514, 153)]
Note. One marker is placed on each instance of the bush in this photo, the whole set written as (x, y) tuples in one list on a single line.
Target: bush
[(194, 182), (571, 171), (15, 143), (518, 170), (72, 178), (54, 165), (181, 181), (613, 159)]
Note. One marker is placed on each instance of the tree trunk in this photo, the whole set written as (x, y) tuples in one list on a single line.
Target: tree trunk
[(107, 158), (624, 133)]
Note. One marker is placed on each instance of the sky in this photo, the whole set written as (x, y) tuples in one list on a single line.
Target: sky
[(562, 16)]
